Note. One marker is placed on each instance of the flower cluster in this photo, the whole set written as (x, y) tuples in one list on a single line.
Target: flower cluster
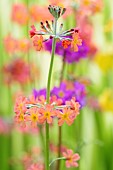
[(69, 55), (35, 111), (66, 91), (48, 29), (13, 45)]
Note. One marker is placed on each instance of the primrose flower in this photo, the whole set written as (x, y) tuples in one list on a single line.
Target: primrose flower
[(20, 105), (47, 114), (104, 61), (20, 14), (10, 44), (70, 56), (48, 29), (33, 116), (71, 158), (13, 73), (106, 100), (66, 116), (76, 41), (38, 42)]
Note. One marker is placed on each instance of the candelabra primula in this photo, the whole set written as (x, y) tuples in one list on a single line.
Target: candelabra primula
[(42, 110)]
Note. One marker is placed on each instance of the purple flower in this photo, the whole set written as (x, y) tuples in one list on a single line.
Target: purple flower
[(80, 93), (62, 93), (38, 93), (70, 56)]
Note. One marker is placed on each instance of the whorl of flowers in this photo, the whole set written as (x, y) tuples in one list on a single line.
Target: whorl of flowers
[(48, 29)]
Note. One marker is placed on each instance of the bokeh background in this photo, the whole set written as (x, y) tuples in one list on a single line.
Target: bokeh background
[(23, 69)]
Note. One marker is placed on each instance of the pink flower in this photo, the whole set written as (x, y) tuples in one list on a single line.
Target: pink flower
[(20, 105), (71, 158), (33, 31), (20, 14)]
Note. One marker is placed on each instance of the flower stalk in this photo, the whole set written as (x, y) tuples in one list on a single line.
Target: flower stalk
[(48, 93)]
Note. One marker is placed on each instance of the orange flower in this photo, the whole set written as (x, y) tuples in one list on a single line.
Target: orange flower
[(10, 44), (23, 45), (34, 116), (66, 43), (66, 116), (47, 114), (38, 42), (76, 41)]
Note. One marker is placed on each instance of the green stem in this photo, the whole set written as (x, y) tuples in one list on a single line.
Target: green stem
[(48, 94), (62, 158), (60, 128)]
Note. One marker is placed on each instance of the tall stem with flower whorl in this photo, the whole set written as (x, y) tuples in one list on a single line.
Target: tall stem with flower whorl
[(48, 94)]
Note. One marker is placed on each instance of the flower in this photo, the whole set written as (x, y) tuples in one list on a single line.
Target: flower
[(71, 159), (47, 29), (70, 56), (23, 45), (104, 61), (65, 116), (78, 90), (106, 100), (20, 105), (13, 73), (10, 44), (76, 41), (38, 42), (20, 14), (47, 114), (62, 92), (33, 116)]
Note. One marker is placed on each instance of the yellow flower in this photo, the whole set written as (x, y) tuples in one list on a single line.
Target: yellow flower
[(104, 61), (106, 100)]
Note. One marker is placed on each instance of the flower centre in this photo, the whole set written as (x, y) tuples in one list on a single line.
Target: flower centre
[(47, 114), (21, 117), (34, 117), (61, 94)]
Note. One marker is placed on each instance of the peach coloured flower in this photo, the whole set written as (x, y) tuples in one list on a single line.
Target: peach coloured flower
[(33, 116), (71, 158), (55, 101), (23, 45), (20, 14), (20, 105), (21, 119), (75, 106), (47, 114), (10, 44), (38, 42), (76, 41), (65, 116), (38, 13)]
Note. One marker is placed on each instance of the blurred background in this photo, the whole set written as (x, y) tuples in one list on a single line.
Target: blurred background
[(23, 70)]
